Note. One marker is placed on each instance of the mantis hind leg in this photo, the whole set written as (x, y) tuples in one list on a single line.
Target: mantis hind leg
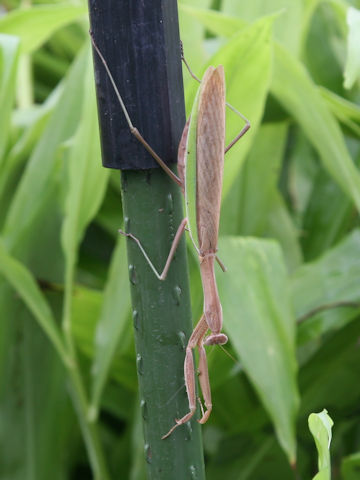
[(204, 383)]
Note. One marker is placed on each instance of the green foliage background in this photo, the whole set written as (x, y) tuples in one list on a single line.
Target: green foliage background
[(289, 236)]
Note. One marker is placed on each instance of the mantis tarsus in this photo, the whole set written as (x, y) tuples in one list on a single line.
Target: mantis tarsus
[(200, 170)]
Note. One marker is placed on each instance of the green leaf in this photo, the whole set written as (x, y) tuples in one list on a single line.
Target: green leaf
[(25, 285), (215, 21), (322, 227), (331, 280), (294, 89), (350, 467), (282, 227), (112, 322), (246, 58), (9, 53), (248, 210), (85, 311), (352, 67), (264, 162), (287, 26), (87, 179), (260, 324), (35, 407), (39, 176), (320, 425), (21, 150), (87, 306), (36, 24), (347, 112), (335, 362), (247, 63), (192, 34)]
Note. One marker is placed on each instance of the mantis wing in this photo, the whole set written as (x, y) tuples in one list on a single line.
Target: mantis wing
[(190, 172), (205, 161)]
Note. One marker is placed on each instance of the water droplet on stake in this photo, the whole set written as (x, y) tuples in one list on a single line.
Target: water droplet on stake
[(132, 275), (139, 364)]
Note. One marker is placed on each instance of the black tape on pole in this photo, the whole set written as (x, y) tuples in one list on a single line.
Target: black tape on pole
[(140, 42)]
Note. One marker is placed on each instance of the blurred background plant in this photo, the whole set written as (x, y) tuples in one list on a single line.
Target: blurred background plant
[(289, 236)]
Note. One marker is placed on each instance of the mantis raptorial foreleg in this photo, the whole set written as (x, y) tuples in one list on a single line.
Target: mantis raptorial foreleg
[(204, 137)]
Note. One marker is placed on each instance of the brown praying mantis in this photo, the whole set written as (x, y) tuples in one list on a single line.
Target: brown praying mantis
[(200, 171)]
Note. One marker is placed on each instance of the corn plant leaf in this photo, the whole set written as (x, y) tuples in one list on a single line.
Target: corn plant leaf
[(320, 425), (36, 24), (347, 112), (87, 306), (330, 281), (249, 210), (24, 283), (352, 67), (192, 34), (335, 275), (35, 407), (294, 89), (39, 176), (350, 467), (9, 52), (22, 149), (112, 322), (250, 47), (87, 179), (214, 20), (260, 324), (287, 28)]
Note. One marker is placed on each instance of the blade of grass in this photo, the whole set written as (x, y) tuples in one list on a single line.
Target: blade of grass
[(36, 24), (320, 425), (9, 52), (294, 89), (112, 322), (24, 283), (261, 326)]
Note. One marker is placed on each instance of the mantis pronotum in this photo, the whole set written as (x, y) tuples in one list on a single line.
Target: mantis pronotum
[(200, 169)]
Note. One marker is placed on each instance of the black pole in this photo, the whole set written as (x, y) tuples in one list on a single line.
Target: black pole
[(140, 42)]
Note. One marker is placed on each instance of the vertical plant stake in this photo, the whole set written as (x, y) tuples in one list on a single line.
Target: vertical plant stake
[(141, 44), (201, 163)]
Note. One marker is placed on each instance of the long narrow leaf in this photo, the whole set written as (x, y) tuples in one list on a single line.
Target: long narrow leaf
[(112, 322), (259, 321), (294, 89), (320, 425), (86, 178), (36, 24), (9, 51), (38, 176), (352, 68), (24, 283)]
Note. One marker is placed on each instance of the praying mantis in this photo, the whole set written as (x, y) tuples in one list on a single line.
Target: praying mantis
[(200, 171)]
